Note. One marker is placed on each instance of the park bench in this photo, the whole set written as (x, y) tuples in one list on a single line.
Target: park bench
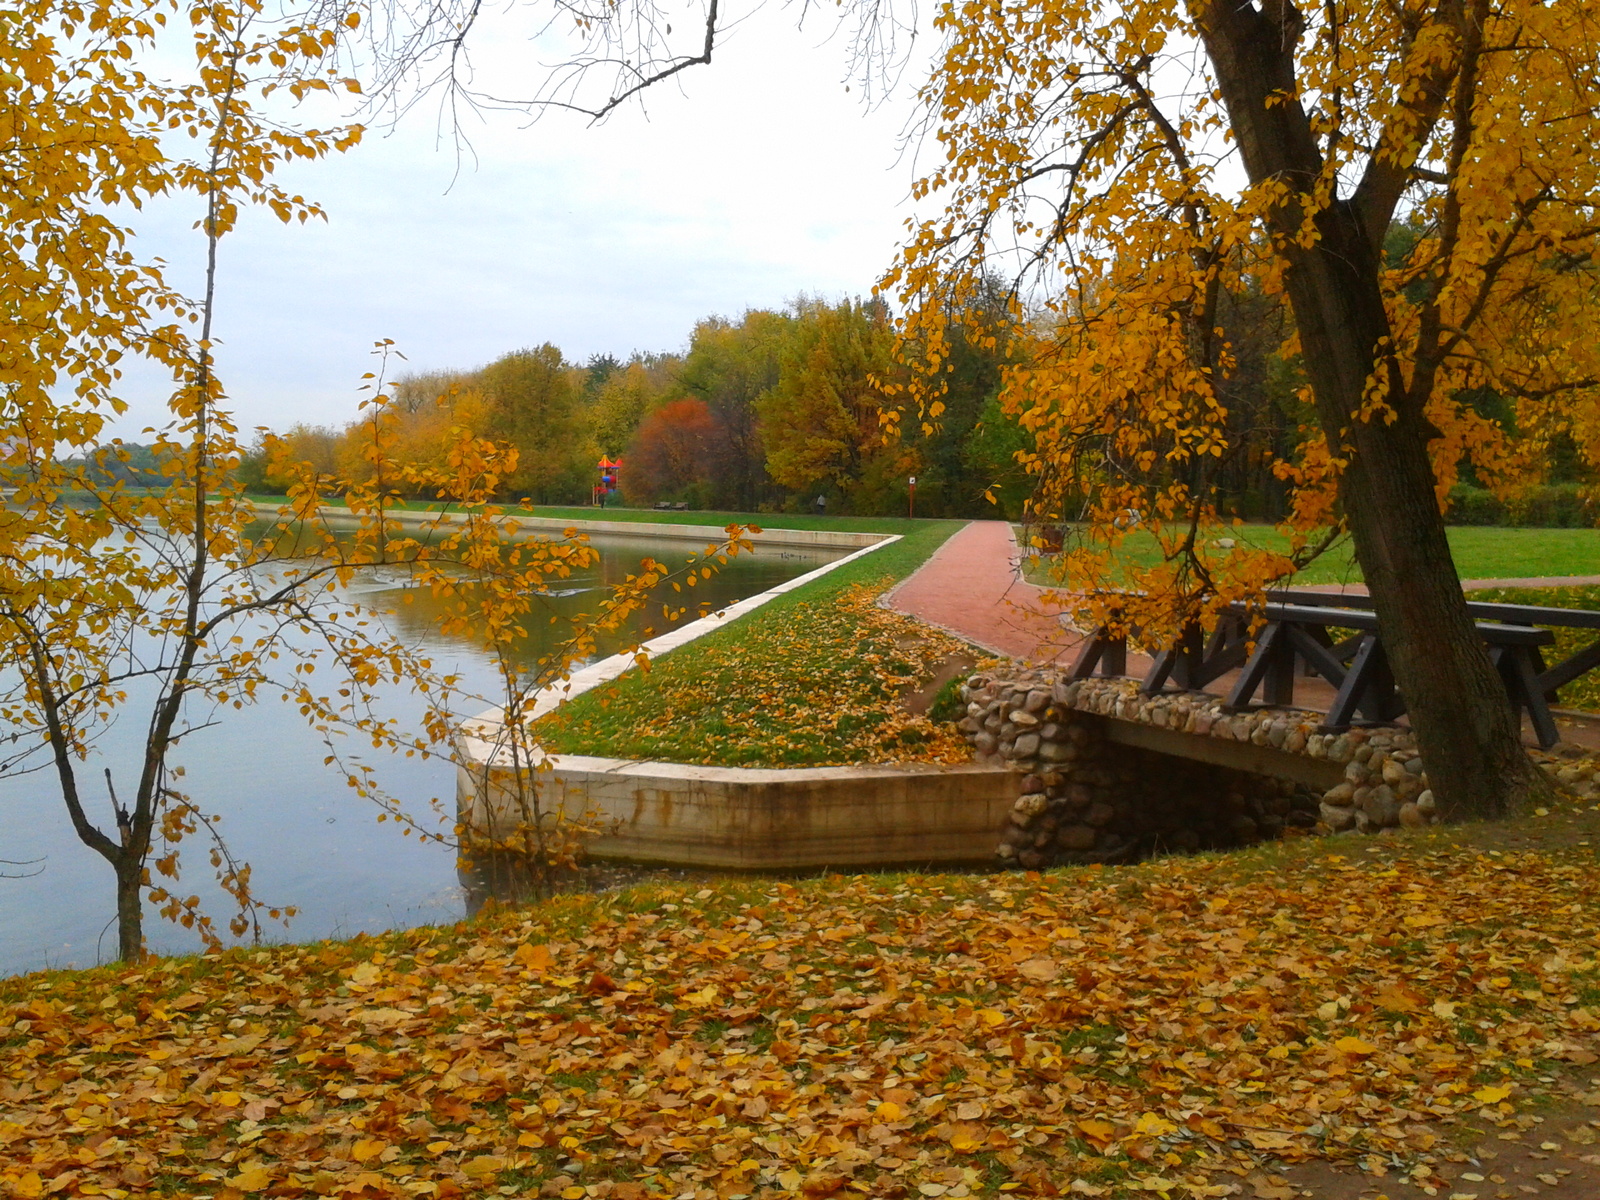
[(1296, 639)]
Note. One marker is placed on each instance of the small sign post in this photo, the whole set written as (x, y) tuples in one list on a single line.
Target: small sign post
[(912, 497)]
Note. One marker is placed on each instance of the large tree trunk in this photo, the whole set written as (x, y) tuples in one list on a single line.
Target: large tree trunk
[(1456, 701)]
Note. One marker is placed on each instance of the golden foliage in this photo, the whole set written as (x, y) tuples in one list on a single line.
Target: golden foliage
[(1089, 155), (888, 1036), (171, 602)]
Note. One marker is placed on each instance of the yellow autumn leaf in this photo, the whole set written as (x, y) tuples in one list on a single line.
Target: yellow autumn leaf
[(253, 1177), (1097, 1131), (366, 1149), (534, 957), (1354, 1046), (483, 1166), (1426, 920), (1150, 1124), (1491, 1095), (967, 1136), (1394, 997)]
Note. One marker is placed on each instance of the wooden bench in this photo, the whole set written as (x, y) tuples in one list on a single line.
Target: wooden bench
[(1551, 678)]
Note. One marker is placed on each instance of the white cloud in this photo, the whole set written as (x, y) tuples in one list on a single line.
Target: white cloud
[(760, 177)]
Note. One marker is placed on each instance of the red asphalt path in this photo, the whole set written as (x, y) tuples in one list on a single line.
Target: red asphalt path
[(973, 587)]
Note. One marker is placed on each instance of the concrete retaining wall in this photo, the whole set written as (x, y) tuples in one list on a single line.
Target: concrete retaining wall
[(735, 818), (831, 539)]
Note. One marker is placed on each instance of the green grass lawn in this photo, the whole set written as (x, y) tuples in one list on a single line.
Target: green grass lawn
[(1481, 552), (810, 679), (651, 516)]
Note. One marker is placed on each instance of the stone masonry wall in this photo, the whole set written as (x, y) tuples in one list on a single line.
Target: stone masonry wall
[(1087, 800)]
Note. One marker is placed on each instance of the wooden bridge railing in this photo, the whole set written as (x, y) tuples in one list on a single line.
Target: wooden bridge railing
[(1295, 640)]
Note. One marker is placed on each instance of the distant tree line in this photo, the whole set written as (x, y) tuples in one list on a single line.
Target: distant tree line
[(764, 413), (780, 407)]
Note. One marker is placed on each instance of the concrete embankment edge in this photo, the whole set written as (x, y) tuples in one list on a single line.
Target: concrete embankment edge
[(819, 539), (747, 818), (753, 819)]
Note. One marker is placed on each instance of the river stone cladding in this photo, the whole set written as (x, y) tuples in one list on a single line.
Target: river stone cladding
[(1085, 800)]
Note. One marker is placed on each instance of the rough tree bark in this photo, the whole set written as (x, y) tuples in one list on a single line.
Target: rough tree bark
[(1454, 696)]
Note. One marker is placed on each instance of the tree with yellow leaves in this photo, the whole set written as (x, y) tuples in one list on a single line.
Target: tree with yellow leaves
[(1145, 162), (170, 602)]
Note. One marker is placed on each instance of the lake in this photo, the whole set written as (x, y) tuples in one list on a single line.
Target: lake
[(311, 841)]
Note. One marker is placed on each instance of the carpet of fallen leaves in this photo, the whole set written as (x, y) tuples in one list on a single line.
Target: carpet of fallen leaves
[(1089, 1032), (817, 683)]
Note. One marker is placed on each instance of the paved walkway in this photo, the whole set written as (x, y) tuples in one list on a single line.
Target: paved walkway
[(973, 587)]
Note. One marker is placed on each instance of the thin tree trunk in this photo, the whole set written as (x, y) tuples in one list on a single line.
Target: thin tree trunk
[(130, 911), (1455, 699)]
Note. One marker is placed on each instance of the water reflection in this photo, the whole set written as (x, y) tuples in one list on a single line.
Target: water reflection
[(311, 841)]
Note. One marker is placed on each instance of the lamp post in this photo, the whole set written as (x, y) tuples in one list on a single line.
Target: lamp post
[(911, 496)]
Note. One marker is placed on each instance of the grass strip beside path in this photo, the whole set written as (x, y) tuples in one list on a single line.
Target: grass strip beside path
[(1481, 552), (1134, 1031), (810, 679)]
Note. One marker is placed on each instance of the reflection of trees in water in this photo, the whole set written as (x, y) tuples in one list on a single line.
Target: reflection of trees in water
[(415, 612)]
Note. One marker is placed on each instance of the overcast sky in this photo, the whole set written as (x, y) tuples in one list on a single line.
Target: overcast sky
[(758, 178)]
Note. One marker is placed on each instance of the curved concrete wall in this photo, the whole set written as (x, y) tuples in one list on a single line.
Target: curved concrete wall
[(737, 818)]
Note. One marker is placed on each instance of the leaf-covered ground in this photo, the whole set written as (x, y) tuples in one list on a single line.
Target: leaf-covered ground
[(1093, 1031), (818, 683)]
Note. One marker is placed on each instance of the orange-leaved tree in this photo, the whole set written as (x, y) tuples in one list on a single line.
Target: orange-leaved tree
[(679, 448), (1417, 179)]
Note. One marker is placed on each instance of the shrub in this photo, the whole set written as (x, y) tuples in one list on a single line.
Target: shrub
[(1549, 506)]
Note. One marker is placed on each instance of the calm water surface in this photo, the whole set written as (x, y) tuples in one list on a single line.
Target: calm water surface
[(311, 841)]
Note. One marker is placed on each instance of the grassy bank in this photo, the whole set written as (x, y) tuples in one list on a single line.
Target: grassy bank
[(651, 516), (1480, 553), (1156, 1030), (812, 678)]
